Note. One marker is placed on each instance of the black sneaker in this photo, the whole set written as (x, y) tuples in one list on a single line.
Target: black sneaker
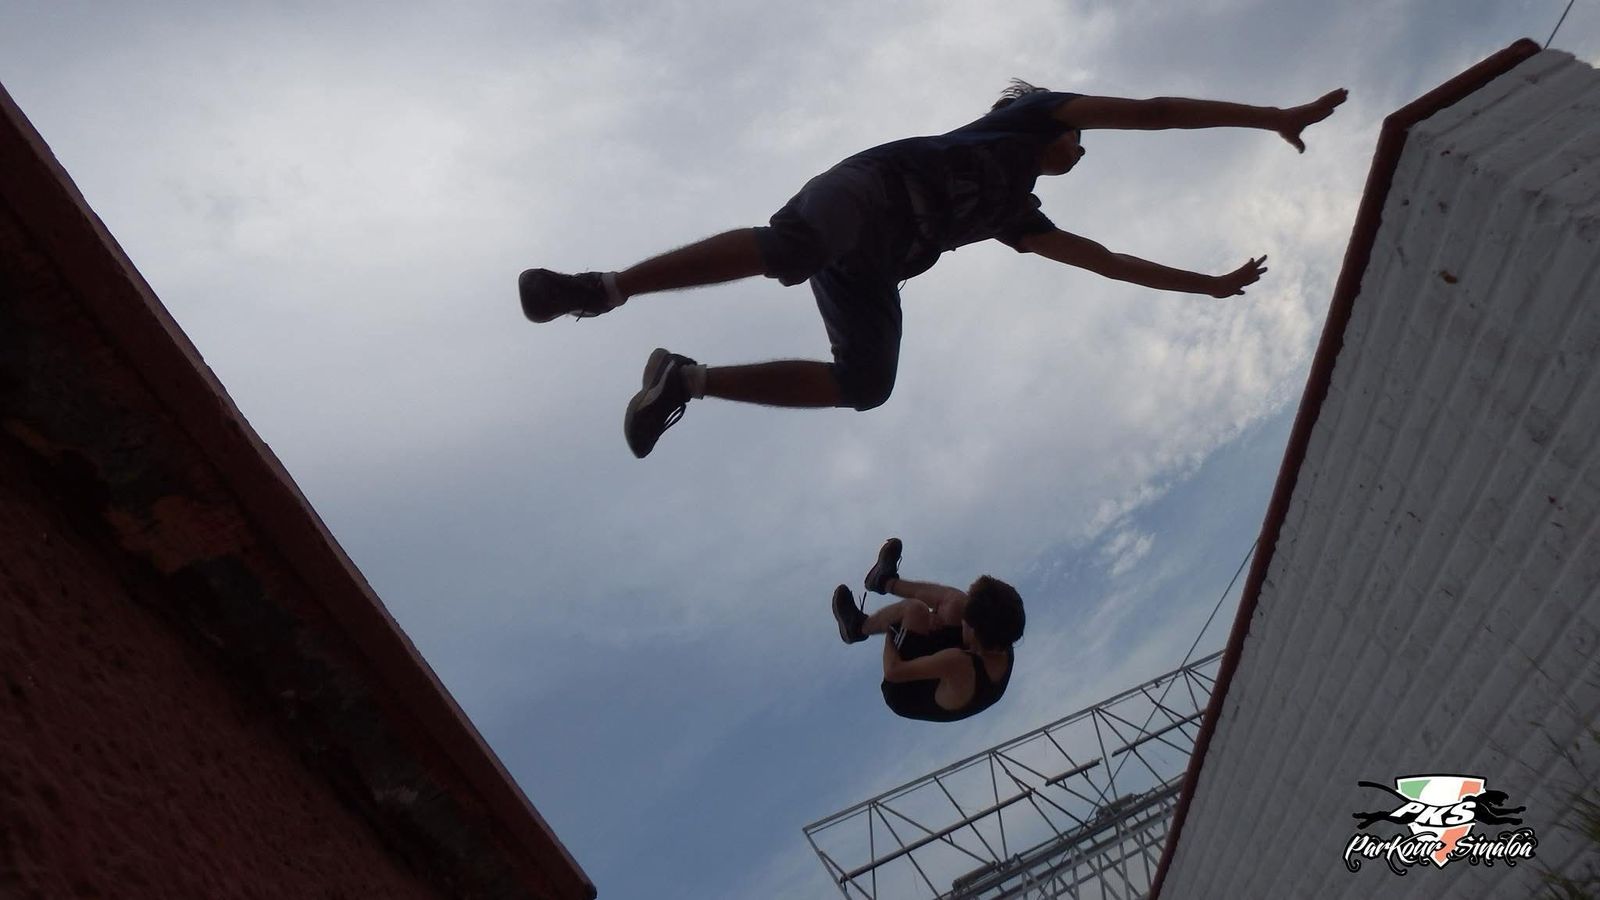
[(886, 569), (548, 295), (659, 404), (848, 615), (659, 357)]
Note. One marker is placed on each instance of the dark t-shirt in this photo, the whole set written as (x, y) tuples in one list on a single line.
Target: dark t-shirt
[(975, 182)]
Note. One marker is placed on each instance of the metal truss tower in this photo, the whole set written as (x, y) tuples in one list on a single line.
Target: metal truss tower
[(1078, 808)]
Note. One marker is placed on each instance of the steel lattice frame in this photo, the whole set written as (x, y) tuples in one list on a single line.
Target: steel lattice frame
[(1078, 808)]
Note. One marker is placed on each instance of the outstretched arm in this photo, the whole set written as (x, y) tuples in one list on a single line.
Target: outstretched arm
[(1177, 112), (1066, 247)]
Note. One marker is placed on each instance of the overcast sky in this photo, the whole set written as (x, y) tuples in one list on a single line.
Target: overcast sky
[(334, 201)]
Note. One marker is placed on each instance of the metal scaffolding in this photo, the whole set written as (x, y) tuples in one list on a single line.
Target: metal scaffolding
[(1078, 808)]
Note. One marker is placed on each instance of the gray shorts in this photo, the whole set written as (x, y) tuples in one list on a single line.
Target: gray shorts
[(844, 234)]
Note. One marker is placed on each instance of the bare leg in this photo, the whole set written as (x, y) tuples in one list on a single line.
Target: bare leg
[(929, 593), (728, 256), (913, 615), (789, 382), (948, 605)]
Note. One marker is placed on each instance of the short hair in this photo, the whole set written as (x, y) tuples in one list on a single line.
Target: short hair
[(1017, 88), (994, 610)]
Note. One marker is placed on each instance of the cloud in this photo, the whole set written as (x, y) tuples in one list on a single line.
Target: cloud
[(334, 202), (1125, 549)]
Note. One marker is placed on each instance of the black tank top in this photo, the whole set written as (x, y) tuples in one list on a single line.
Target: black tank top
[(914, 699)]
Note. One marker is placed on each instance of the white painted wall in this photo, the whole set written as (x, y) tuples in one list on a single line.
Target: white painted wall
[(1433, 605)]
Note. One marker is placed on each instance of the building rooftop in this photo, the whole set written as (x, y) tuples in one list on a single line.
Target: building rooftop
[(120, 415), (1426, 598)]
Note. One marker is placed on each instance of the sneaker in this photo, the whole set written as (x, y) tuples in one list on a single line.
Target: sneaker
[(659, 357), (548, 295), (659, 404), (886, 569), (848, 615)]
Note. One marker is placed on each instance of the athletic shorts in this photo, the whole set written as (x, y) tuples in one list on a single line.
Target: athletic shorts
[(916, 644), (844, 233)]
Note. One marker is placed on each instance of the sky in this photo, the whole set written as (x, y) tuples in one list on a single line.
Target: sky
[(334, 201)]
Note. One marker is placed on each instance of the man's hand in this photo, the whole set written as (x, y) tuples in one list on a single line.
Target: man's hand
[(1297, 118), (1234, 283)]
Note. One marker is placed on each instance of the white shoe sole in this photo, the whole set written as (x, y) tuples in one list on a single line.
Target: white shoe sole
[(654, 383), (652, 366)]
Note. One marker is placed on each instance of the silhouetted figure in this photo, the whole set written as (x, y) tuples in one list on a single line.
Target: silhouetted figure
[(860, 229), (946, 652)]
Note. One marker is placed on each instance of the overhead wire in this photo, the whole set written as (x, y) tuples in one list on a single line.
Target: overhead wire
[(1225, 592), (1558, 24)]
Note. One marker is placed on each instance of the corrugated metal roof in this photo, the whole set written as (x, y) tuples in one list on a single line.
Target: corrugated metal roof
[(1432, 604)]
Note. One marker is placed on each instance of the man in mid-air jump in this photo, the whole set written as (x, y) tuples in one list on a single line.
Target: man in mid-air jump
[(885, 215), (947, 653)]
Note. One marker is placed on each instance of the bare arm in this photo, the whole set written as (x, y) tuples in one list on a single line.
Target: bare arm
[(1066, 247), (1179, 112)]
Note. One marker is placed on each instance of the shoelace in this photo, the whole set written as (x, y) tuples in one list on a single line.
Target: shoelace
[(676, 413), (674, 416), (582, 313), (899, 631)]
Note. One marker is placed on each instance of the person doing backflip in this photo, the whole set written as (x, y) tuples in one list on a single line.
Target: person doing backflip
[(860, 229), (947, 653)]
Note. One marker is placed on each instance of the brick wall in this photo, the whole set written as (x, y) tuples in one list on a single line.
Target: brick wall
[(200, 696), (127, 766)]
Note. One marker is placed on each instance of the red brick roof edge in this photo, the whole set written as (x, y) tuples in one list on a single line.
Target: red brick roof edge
[(117, 297), (1391, 143)]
